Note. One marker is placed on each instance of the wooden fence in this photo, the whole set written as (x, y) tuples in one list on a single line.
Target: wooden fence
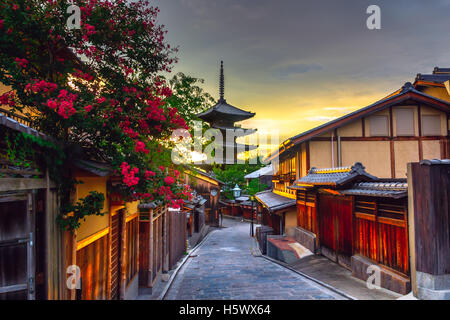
[(162, 240), (131, 250), (177, 237)]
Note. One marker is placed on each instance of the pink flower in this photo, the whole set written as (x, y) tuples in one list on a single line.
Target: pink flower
[(52, 104), (140, 147), (101, 100), (149, 173), (22, 62), (88, 108), (169, 180), (2, 22)]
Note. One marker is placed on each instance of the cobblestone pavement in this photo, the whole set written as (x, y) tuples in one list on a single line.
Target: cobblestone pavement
[(223, 267)]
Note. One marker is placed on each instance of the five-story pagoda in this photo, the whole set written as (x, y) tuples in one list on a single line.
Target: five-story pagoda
[(223, 116)]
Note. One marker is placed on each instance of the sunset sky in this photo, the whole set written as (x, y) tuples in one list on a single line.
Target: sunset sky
[(297, 63)]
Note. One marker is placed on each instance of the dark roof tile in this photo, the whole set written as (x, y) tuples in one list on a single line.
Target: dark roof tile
[(385, 189), (333, 176), (274, 202), (435, 162)]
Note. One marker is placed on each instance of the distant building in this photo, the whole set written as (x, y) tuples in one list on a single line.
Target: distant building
[(264, 175)]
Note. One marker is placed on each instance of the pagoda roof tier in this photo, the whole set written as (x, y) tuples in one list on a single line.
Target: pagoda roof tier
[(223, 112), (243, 131), (241, 146)]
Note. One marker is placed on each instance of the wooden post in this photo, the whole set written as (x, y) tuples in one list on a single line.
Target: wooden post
[(73, 235), (108, 284), (123, 255), (151, 249), (165, 266), (430, 183)]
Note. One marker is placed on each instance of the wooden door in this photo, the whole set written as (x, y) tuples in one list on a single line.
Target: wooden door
[(327, 208), (336, 227), (344, 217), (115, 255), (17, 259)]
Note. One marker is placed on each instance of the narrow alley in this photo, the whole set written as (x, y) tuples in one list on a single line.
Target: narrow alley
[(223, 267)]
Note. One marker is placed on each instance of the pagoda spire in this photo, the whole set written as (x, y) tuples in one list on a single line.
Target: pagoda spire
[(221, 83)]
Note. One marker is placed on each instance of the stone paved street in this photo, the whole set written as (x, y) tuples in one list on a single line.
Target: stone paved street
[(224, 268)]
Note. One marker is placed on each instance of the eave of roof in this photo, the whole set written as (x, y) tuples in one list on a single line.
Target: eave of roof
[(94, 167), (240, 132), (203, 175), (395, 190), (223, 109), (408, 92), (421, 83), (281, 202)]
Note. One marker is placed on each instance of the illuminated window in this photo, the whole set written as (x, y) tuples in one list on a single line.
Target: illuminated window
[(379, 126)]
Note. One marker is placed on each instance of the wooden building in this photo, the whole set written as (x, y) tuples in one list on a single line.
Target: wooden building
[(195, 211), (263, 176), (277, 212), (105, 248), (39, 258), (208, 187), (356, 220), (362, 220), (30, 241)]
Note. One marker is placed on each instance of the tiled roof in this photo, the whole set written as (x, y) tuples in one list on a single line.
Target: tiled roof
[(265, 171), (435, 162), (438, 70), (273, 201), (439, 78), (333, 176), (387, 189)]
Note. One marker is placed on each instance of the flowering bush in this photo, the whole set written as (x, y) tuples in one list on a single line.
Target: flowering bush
[(97, 87)]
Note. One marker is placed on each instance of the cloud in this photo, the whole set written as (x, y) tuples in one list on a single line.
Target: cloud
[(295, 69), (320, 118), (341, 109)]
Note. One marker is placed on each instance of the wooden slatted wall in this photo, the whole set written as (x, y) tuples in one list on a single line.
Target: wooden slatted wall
[(381, 232), (93, 263)]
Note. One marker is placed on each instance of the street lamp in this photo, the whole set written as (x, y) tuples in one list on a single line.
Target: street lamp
[(237, 191)]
